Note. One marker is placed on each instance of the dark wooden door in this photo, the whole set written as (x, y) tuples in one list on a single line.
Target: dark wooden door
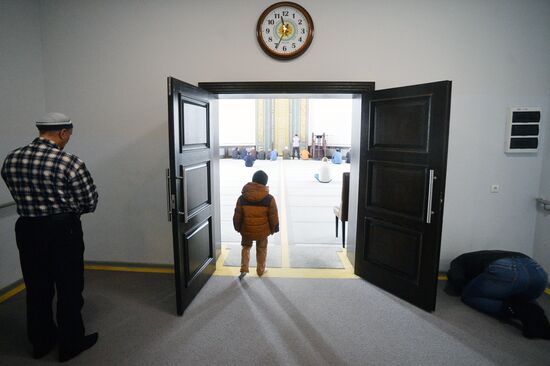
[(191, 181), (402, 189)]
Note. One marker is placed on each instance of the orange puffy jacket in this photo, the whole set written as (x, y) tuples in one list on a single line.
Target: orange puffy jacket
[(256, 214)]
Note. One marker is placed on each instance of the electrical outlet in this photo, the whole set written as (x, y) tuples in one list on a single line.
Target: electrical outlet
[(495, 188)]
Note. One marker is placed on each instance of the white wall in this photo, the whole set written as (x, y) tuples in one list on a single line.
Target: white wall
[(106, 64), (21, 102), (542, 235), (237, 122), (332, 117)]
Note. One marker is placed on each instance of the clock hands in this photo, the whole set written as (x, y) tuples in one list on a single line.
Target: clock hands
[(282, 33)]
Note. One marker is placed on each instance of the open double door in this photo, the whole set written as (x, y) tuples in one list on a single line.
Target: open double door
[(401, 184)]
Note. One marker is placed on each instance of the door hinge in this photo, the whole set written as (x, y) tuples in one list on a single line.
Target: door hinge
[(169, 86)]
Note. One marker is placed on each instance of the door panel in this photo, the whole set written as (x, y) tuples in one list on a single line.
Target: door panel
[(199, 254), (386, 189), (192, 162), (195, 192), (394, 247), (194, 117), (401, 124), (402, 172)]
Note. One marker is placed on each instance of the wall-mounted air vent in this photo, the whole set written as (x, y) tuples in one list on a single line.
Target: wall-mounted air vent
[(522, 130)]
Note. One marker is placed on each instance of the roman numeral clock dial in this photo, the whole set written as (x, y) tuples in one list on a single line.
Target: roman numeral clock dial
[(285, 30)]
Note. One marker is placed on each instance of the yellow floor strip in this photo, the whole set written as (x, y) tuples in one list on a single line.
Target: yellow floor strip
[(14, 291), (345, 273), (282, 220), (97, 267), (547, 291), (345, 261)]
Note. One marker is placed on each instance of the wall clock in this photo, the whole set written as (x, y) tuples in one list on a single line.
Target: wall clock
[(285, 30)]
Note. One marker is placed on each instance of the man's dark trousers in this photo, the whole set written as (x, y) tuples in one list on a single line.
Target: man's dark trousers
[(51, 251)]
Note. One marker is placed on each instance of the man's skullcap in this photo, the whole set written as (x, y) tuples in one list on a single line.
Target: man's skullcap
[(54, 121)]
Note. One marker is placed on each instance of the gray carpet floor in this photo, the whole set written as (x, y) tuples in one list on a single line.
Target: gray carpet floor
[(275, 321), (310, 226)]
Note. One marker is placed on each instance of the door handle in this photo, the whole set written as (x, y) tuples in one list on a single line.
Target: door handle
[(168, 195), (171, 198), (429, 211), (184, 196)]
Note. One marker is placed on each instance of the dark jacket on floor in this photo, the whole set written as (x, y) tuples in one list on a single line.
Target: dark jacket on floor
[(467, 266)]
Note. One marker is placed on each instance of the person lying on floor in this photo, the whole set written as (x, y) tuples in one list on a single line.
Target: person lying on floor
[(502, 284)]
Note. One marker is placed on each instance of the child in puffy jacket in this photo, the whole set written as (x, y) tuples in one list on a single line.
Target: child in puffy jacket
[(255, 218)]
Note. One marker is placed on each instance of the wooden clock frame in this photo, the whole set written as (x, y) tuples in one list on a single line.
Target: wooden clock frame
[(307, 42)]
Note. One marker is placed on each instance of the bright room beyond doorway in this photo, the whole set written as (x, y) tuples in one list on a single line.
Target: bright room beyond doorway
[(306, 245)]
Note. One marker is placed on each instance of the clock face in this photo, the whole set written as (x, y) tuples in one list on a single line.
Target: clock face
[(285, 30)]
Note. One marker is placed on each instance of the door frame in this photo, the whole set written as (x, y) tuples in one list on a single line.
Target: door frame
[(291, 87), (358, 90)]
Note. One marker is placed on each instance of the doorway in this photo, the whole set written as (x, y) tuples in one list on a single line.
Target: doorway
[(396, 199), (255, 127), (356, 90)]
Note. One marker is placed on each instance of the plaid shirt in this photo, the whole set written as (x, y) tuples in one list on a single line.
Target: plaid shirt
[(45, 180)]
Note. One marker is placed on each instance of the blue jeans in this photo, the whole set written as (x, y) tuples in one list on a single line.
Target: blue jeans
[(519, 278)]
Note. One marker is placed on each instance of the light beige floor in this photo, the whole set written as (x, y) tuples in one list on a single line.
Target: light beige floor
[(306, 242)]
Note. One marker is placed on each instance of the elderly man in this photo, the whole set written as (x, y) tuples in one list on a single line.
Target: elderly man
[(52, 188)]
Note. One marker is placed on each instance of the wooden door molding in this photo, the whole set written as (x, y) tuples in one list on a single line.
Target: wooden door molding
[(292, 87), (357, 89)]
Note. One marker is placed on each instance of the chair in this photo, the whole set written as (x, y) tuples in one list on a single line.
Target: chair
[(341, 212)]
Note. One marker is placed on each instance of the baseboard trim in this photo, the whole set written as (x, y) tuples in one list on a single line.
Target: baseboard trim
[(128, 267), (19, 285), (11, 290)]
